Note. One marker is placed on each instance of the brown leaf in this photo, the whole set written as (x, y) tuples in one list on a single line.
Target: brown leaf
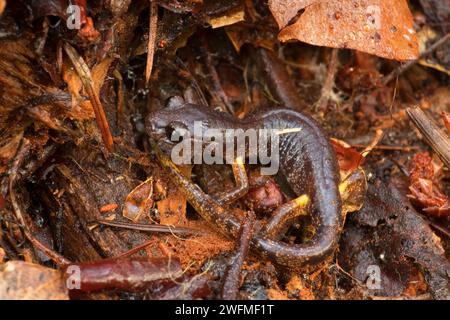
[(349, 158), (139, 200), (27, 281), (383, 28)]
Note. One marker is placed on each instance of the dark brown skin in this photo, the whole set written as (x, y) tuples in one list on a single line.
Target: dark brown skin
[(307, 161)]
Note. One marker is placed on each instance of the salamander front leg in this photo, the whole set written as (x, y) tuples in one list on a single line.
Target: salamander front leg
[(241, 180), (205, 205)]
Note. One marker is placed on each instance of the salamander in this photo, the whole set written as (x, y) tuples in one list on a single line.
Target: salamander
[(306, 160)]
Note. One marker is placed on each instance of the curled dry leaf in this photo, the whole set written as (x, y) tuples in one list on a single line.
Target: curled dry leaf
[(28, 281), (383, 28), (349, 158), (139, 200)]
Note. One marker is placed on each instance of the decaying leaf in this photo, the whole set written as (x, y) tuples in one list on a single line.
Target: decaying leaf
[(227, 19), (139, 200), (28, 281), (383, 28), (349, 158)]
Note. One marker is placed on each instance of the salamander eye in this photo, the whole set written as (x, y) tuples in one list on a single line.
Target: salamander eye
[(175, 130), (169, 131)]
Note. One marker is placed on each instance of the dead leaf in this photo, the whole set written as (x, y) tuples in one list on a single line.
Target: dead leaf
[(139, 200), (349, 158), (383, 28), (21, 280), (228, 19), (426, 36), (99, 72)]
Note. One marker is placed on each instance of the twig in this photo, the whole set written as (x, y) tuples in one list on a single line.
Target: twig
[(387, 148), (439, 228), (150, 227), (193, 81), (232, 279), (153, 24), (328, 85), (53, 255), (134, 250), (397, 72), (378, 136), (20, 156), (85, 75), (435, 136), (215, 77)]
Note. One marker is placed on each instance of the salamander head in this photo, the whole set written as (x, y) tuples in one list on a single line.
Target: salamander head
[(167, 125)]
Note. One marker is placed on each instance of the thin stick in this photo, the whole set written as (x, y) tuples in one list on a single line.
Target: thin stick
[(436, 138), (150, 227), (328, 85), (153, 24), (440, 228), (373, 144), (85, 75), (387, 148), (397, 72), (215, 77), (230, 289), (53, 255), (134, 250), (13, 172)]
